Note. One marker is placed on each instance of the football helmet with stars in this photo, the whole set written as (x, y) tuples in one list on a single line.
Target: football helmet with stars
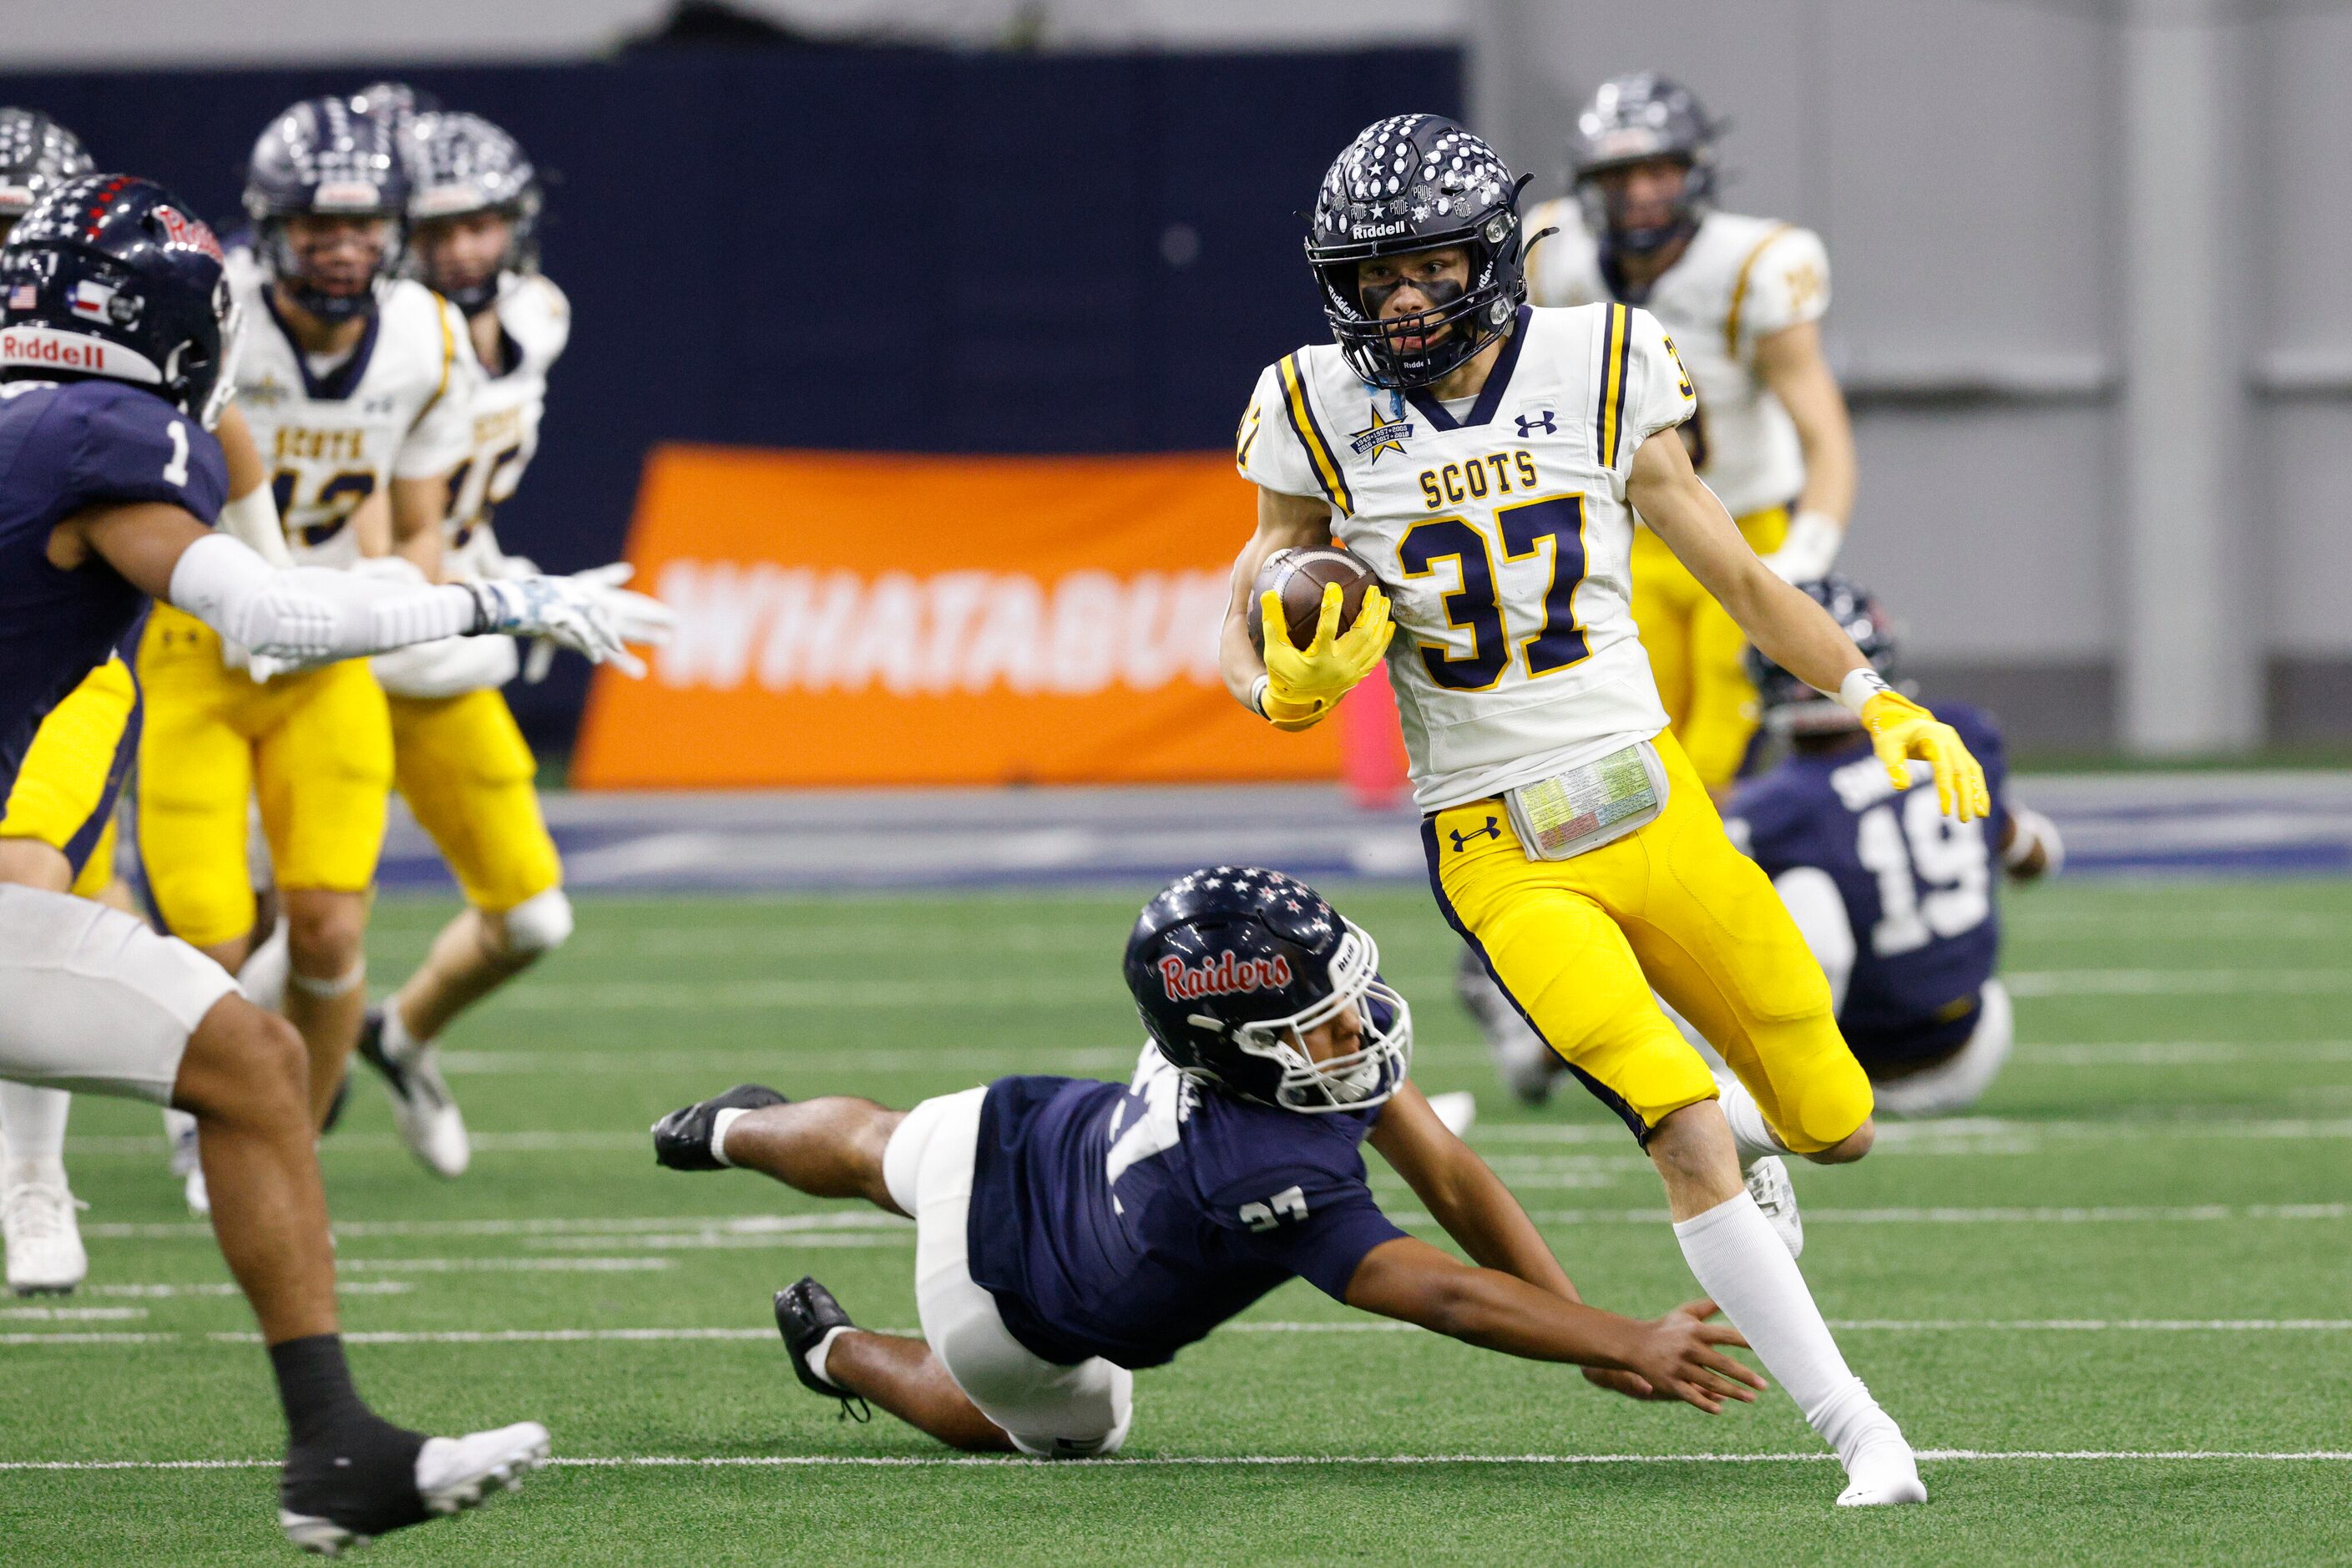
[(37, 156), (112, 277), (1632, 120), (1408, 184), (462, 165), (325, 158), (1233, 967)]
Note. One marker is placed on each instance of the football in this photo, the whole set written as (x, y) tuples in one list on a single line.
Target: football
[(1298, 576)]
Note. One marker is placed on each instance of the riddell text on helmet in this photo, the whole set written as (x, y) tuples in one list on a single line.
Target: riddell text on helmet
[(1225, 975)]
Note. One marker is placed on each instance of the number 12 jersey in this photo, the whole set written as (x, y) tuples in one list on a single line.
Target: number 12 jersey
[(1501, 533)]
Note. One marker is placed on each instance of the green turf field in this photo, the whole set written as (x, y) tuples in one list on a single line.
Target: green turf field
[(2115, 1301)]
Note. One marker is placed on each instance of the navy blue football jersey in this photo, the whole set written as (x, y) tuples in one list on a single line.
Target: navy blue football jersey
[(1126, 1221), (1917, 886), (63, 448)]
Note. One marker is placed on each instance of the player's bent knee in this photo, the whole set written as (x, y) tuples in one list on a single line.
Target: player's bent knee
[(1850, 1148), (243, 1064), (540, 925)]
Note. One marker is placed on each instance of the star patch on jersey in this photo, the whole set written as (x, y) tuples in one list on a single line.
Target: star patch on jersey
[(1380, 436)]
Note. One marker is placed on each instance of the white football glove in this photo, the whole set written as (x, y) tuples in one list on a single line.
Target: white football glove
[(585, 613), (637, 618)]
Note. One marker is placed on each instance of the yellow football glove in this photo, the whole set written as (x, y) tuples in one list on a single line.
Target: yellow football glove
[(1901, 732), (1303, 685)]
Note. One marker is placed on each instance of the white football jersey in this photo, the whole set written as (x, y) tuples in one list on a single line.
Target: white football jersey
[(396, 408), (1501, 536), (1738, 282), (505, 412)]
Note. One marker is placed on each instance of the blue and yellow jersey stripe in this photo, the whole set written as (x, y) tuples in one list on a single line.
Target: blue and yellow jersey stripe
[(1616, 370), (1310, 436), (442, 313)]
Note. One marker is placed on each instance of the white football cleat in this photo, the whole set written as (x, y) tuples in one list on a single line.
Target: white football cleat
[(180, 1128), (423, 1108), (1769, 1184), (45, 1256), (452, 1474), (1883, 1473), (1458, 1110)]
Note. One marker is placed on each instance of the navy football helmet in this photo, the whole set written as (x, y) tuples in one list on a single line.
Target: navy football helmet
[(1632, 120), (325, 158), (1407, 184), (1231, 968), (110, 276), (37, 156), (461, 164), (1787, 706)]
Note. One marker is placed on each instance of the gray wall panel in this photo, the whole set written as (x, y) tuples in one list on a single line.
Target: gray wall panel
[(1977, 566)]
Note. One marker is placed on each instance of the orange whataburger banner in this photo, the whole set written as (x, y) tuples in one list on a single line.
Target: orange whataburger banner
[(849, 619)]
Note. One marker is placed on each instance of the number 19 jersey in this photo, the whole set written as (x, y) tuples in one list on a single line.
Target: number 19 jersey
[(1501, 533)]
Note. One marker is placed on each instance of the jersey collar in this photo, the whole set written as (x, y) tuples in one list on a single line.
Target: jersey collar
[(1490, 397), (339, 383)]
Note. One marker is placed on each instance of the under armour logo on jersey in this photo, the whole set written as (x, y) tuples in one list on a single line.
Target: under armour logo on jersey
[(1529, 424), (1494, 829)]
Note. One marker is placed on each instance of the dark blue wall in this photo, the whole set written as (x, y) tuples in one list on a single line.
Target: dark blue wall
[(860, 249)]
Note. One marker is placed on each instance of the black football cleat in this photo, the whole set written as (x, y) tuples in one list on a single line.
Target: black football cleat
[(682, 1139), (805, 1313)]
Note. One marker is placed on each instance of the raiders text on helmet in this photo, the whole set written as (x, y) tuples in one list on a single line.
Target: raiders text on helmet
[(37, 156), (1233, 967), (1409, 183), (109, 276), (326, 158), (1632, 120), (459, 164), (1789, 706)]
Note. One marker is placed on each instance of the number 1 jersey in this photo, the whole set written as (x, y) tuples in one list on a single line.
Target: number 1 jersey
[(1501, 533)]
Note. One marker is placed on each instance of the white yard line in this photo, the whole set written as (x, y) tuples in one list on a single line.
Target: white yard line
[(1214, 1461), (1895, 1137), (1356, 1326), (2176, 982), (686, 995)]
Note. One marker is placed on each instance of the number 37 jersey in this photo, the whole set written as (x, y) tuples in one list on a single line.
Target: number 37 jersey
[(1501, 534)]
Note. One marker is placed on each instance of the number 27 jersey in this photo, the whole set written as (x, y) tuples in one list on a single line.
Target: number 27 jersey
[(1501, 533)]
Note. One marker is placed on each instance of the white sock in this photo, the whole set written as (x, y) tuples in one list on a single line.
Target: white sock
[(263, 975), (1742, 1264), (33, 1127), (822, 1349), (1754, 1139), (398, 1043), (718, 1126)]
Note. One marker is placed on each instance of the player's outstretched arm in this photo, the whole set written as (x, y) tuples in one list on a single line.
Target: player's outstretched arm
[(308, 616), (1793, 631), (1462, 1194), (1678, 1356)]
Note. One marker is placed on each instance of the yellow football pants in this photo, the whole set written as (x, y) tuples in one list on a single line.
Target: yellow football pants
[(467, 772), (64, 791), (1579, 944), (315, 748), (1697, 651)]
